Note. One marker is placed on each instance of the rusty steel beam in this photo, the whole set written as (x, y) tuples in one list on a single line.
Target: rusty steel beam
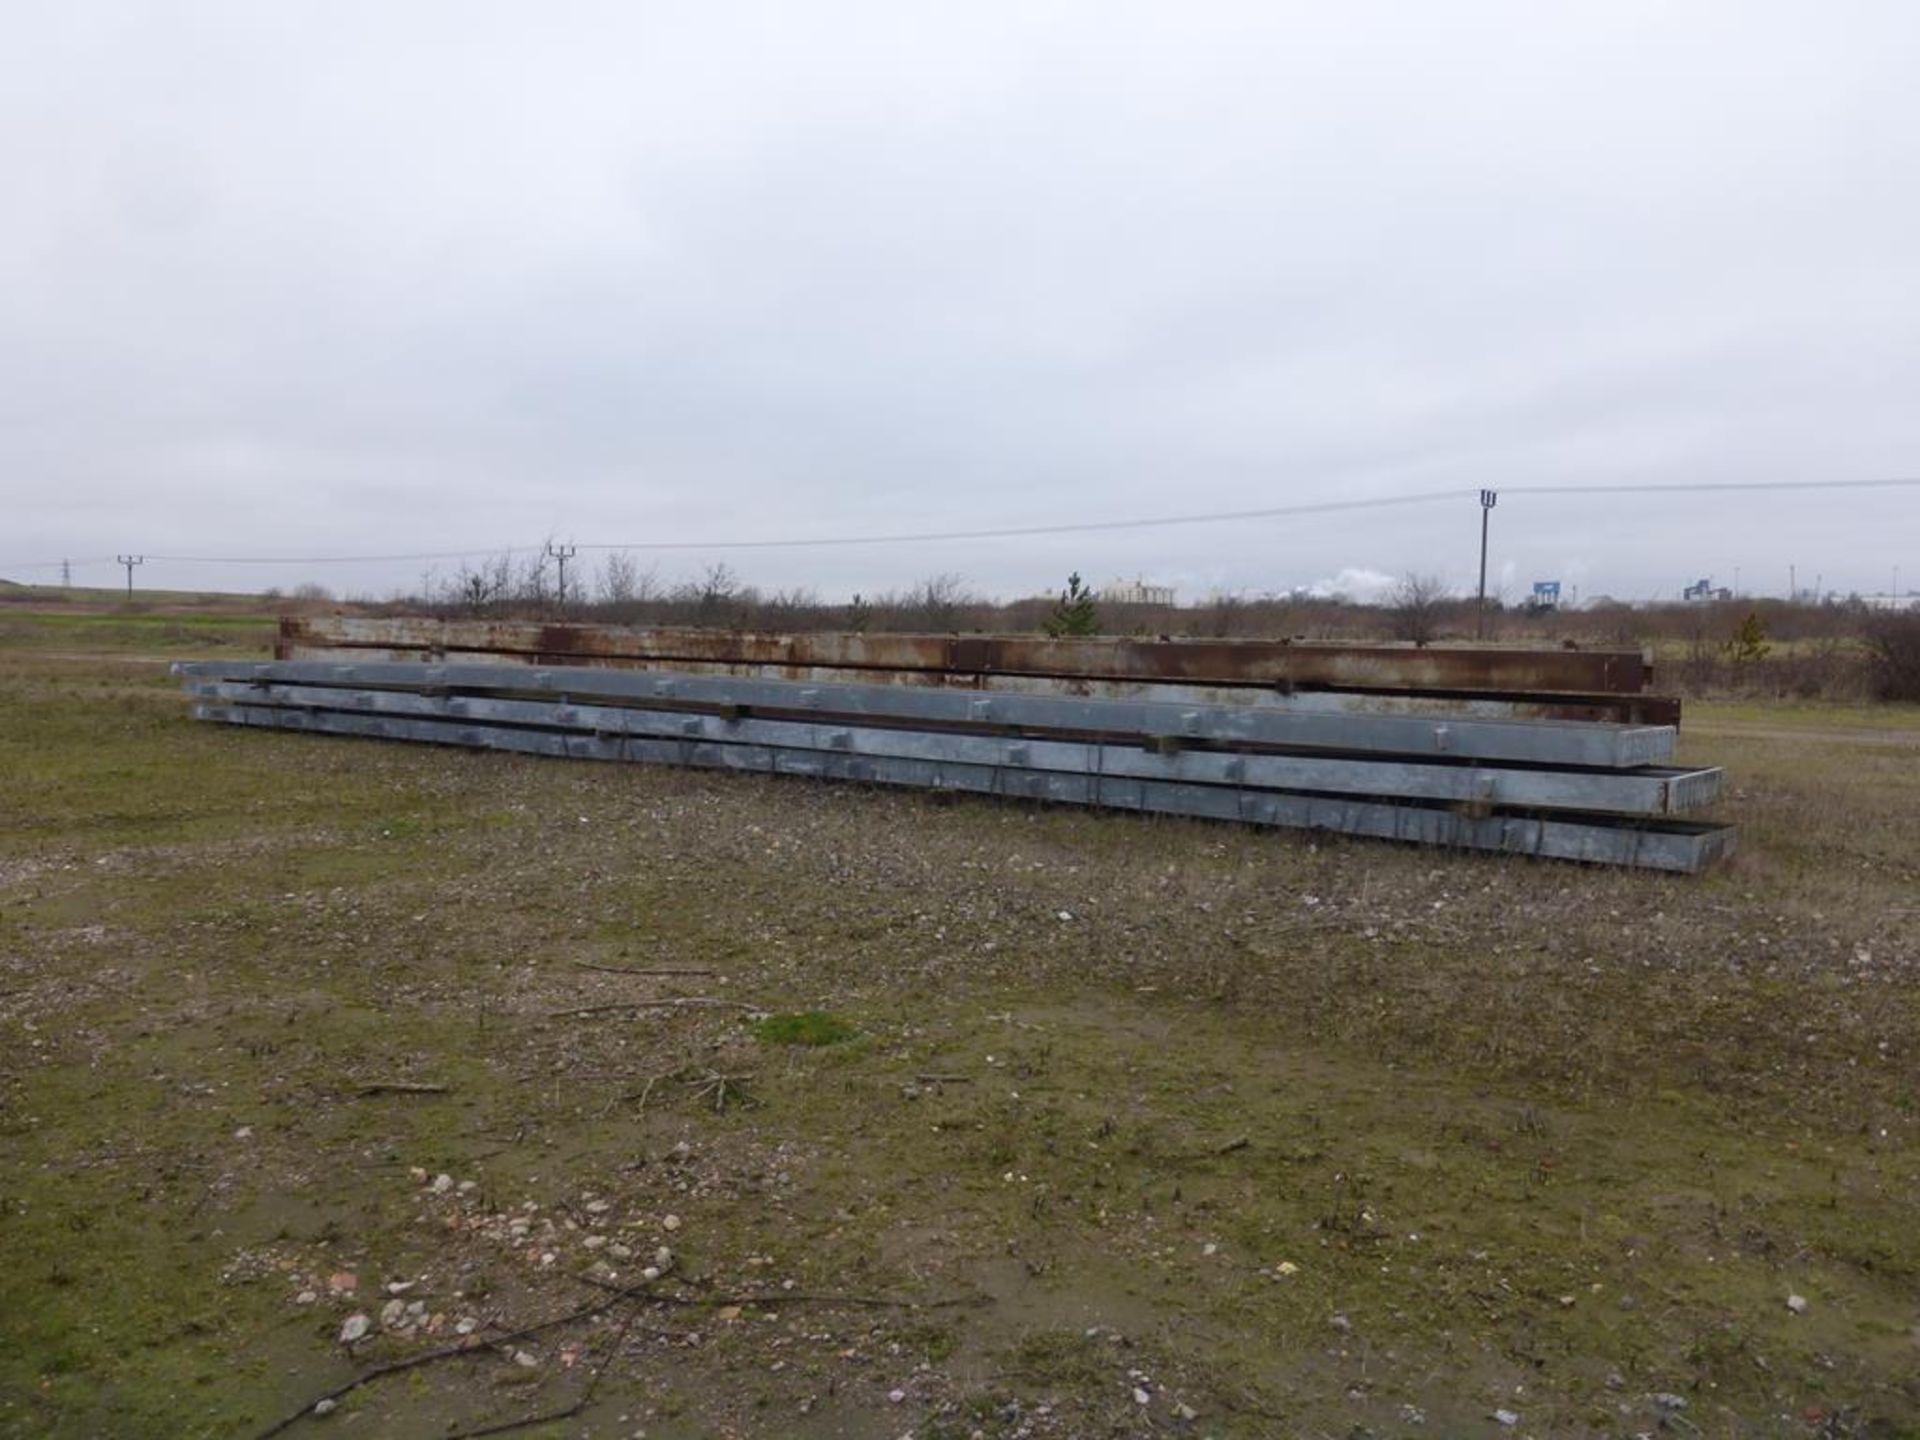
[(1268, 663)]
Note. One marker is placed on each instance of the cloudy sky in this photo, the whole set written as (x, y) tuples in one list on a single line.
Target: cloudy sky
[(345, 279)]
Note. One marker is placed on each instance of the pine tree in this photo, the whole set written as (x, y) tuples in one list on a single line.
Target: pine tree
[(1076, 612), (1749, 642)]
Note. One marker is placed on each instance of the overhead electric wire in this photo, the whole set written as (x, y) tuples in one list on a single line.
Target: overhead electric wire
[(1651, 488), (1070, 527), (1011, 532)]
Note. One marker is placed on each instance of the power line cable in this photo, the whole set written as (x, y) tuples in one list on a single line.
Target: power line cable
[(1073, 527), (1011, 532), (1707, 486)]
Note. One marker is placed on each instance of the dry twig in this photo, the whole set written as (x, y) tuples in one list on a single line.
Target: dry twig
[(685, 1002), (584, 1399), (472, 1345), (723, 1090), (628, 970), (791, 1297), (643, 1094), (614, 1295)]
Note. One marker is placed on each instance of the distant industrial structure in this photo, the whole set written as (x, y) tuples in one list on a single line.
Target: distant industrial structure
[(1892, 600), (1136, 592), (1703, 591), (1546, 595)]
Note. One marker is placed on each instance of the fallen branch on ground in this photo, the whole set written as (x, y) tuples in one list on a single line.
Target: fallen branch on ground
[(629, 970), (643, 1094), (585, 1398), (400, 1087), (787, 1297), (684, 1002), (723, 1090), (472, 1345), (613, 1295), (524, 1422)]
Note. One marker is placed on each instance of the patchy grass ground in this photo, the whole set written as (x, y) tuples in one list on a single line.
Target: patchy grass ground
[(972, 1118), (118, 631)]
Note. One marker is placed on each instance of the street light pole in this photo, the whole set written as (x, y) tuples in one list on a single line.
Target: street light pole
[(1488, 499)]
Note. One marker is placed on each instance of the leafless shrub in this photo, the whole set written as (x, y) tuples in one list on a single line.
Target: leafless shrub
[(936, 601), (791, 609), (1224, 615), (623, 583), (476, 590), (533, 584), (1414, 607), (1610, 621), (1893, 655), (714, 598)]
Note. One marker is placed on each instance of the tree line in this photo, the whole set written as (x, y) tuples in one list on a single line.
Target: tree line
[(1757, 646)]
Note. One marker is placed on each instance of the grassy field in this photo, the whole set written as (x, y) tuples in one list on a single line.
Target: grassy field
[(122, 631), (974, 1118)]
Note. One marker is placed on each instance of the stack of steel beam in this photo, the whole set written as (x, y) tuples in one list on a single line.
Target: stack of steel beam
[(1560, 684), (1570, 789)]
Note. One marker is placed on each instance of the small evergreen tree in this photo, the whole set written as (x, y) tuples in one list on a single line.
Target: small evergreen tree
[(1076, 612), (859, 614), (1749, 642)]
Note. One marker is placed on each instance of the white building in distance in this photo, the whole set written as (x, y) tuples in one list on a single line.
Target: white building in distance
[(1136, 592)]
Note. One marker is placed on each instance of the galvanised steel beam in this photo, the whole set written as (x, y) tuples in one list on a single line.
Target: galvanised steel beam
[(1651, 791), (1665, 845), (1542, 742)]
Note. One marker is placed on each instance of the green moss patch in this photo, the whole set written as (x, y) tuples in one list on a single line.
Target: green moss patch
[(805, 1027)]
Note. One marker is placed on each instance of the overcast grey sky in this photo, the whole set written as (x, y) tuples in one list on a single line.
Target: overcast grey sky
[(346, 279)]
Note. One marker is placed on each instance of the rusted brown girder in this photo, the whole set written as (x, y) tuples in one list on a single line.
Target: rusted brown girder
[(1265, 663)]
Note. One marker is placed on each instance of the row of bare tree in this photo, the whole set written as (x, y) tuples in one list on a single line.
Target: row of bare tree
[(1747, 646)]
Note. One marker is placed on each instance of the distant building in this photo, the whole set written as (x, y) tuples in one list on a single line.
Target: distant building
[(1546, 595), (1888, 600), (1136, 592), (1703, 591)]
